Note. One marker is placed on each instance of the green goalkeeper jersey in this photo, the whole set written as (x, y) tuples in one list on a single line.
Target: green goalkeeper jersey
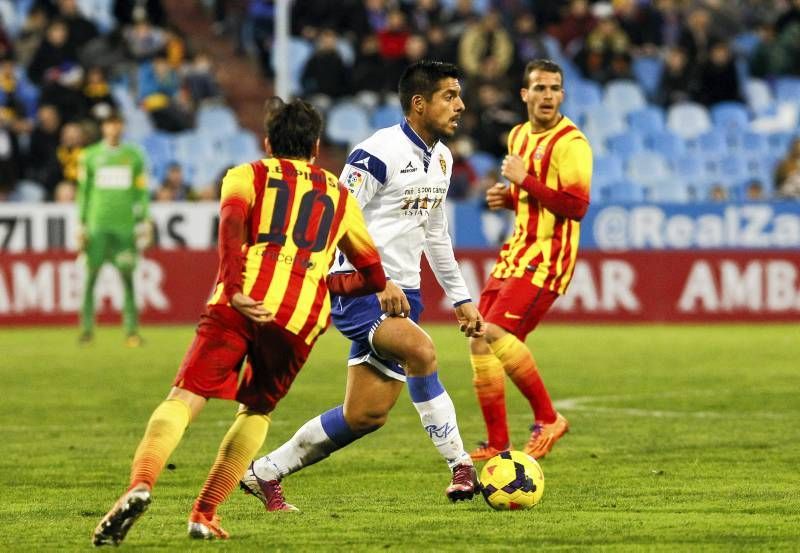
[(112, 187)]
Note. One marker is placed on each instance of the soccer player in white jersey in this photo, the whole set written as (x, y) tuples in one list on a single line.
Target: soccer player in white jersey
[(400, 177)]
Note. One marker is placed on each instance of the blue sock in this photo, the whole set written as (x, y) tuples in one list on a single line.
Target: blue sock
[(424, 388), (336, 427)]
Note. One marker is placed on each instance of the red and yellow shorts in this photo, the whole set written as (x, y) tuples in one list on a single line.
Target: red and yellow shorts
[(273, 356), (515, 304)]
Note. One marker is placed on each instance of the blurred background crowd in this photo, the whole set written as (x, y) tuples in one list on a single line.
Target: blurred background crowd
[(682, 100)]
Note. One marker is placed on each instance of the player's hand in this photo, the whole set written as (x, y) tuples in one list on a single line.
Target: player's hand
[(393, 301), (143, 234), (82, 238), (497, 196), (513, 168), (470, 320), (250, 308)]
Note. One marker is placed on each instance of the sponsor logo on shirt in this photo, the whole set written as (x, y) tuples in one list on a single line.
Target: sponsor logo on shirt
[(408, 168), (443, 164), (364, 162), (114, 177), (354, 180), (539, 153)]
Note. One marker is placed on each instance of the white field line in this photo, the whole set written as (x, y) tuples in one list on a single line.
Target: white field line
[(585, 403)]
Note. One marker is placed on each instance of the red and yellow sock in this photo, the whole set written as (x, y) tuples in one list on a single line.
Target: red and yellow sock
[(488, 379), (164, 432), (238, 448), (520, 366)]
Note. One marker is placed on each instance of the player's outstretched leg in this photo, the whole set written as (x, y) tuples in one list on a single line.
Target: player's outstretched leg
[(115, 525), (313, 442)]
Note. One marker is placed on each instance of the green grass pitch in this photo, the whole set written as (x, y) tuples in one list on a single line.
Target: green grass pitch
[(684, 438)]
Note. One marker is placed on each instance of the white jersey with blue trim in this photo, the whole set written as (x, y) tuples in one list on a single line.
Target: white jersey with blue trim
[(401, 186)]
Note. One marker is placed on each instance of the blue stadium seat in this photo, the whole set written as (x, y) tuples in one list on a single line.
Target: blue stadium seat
[(624, 96), (752, 144), (779, 142), (712, 144), (759, 96), (607, 169), (690, 167), (483, 163), (787, 89), (602, 123), (646, 167), (101, 12), (665, 143), (137, 125), (647, 120), (244, 146), (674, 191), (621, 191), (581, 96), (730, 116), (732, 169), (647, 70), (688, 119), (348, 123), (386, 116), (625, 145), (744, 44), (217, 118)]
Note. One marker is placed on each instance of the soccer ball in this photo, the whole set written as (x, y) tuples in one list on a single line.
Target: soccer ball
[(512, 480)]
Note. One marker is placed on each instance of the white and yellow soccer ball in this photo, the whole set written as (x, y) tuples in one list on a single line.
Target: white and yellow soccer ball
[(512, 480)]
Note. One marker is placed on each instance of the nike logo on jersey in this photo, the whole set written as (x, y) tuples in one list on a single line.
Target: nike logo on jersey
[(408, 168), (508, 315), (364, 162)]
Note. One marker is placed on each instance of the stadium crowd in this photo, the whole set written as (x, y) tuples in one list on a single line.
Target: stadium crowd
[(682, 100)]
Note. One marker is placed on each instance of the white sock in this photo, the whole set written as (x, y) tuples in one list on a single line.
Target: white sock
[(313, 442), (438, 416)]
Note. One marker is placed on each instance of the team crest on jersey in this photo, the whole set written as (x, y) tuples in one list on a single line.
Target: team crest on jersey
[(539, 153), (443, 164), (354, 179)]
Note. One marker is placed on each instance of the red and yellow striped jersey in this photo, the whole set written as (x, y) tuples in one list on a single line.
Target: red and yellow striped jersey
[(544, 245), (297, 214)]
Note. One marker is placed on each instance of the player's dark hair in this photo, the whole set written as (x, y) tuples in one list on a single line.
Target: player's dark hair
[(293, 128), (548, 66), (422, 77)]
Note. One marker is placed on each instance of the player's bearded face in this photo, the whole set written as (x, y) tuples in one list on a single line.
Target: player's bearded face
[(543, 98), (443, 111)]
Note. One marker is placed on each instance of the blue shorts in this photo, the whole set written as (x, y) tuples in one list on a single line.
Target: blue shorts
[(358, 318)]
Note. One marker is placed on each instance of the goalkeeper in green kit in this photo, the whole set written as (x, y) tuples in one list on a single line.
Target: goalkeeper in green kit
[(114, 221)]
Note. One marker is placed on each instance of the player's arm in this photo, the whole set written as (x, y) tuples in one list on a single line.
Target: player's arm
[(236, 203), (357, 245), (363, 175), (571, 200), (141, 204), (442, 259), (85, 181)]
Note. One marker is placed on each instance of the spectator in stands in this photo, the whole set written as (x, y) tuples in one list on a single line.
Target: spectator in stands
[(458, 18), (718, 193), (10, 94), (174, 188), (575, 25), (528, 43), (42, 165), (392, 38), (676, 83), (424, 13), (485, 38), (416, 49), (376, 13), (52, 52), (80, 29), (65, 192), (30, 36), (69, 150), (773, 55), (671, 22), (719, 81), (696, 37), (440, 46), (143, 39), (496, 118), (199, 78), (604, 55), (791, 16), (642, 24), (128, 11), (62, 87), (787, 174), (325, 72), (10, 156), (754, 191), (97, 93), (257, 29), (6, 46), (369, 71)]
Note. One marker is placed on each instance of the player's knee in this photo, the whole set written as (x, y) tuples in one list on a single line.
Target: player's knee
[(367, 421), (422, 359)]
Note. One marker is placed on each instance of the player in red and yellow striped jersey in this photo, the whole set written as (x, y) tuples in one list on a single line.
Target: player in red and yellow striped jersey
[(549, 165), (281, 221)]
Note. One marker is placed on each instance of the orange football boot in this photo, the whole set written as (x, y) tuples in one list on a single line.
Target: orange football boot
[(544, 436)]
